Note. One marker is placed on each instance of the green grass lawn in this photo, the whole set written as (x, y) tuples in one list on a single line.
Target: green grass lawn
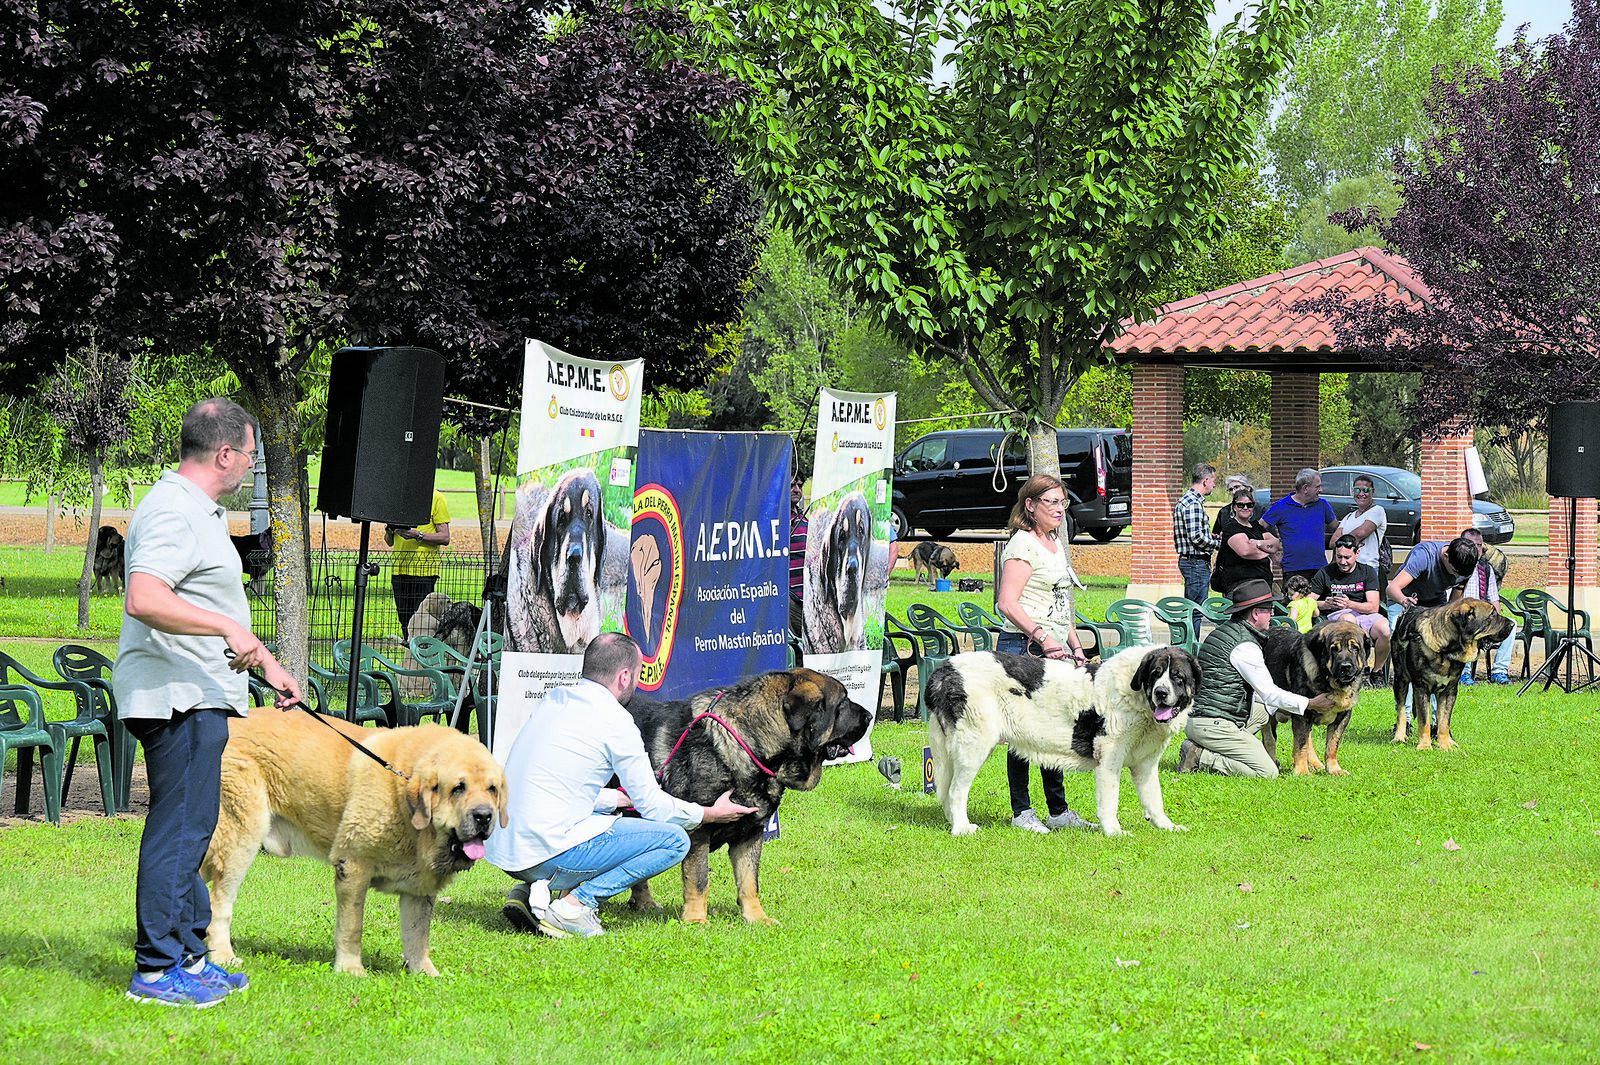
[(1430, 906)]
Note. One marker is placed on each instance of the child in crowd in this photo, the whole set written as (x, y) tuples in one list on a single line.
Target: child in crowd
[(1302, 608)]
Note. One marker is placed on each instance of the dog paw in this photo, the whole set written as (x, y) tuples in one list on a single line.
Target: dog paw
[(1170, 827), (354, 968), (1114, 830), (763, 919), (963, 830), (647, 905), (1335, 771)]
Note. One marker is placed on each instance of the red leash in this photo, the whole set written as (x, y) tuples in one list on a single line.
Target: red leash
[(731, 731)]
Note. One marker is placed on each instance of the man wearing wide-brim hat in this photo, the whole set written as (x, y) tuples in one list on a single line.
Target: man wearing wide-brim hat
[(1221, 734)]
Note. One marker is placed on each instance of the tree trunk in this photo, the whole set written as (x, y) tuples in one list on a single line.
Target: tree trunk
[(488, 496), (97, 489), (272, 390), (1044, 452)]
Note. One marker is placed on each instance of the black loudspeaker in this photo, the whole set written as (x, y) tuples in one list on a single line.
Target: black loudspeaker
[(1573, 468), (382, 440)]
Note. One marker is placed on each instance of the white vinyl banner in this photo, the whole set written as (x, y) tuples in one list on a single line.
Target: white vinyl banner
[(847, 544), (567, 578)]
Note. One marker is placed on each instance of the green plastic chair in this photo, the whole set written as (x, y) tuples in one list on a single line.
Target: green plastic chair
[(26, 736), (931, 647), (436, 654), (1535, 605), (922, 616), (971, 614), (892, 673), (1178, 613), (1131, 620), (400, 709), (1524, 637), (327, 690), (84, 723), (113, 743)]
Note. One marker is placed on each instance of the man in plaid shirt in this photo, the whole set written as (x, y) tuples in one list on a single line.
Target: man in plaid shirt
[(1192, 536)]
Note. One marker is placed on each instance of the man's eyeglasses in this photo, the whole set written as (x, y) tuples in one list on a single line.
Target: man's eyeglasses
[(251, 454)]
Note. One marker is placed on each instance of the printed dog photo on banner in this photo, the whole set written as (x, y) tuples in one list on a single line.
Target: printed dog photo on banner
[(847, 569), (567, 570)]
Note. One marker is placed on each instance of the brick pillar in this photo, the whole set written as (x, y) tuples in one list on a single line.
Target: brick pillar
[(1446, 499), (1587, 585), (1158, 480), (1296, 428)]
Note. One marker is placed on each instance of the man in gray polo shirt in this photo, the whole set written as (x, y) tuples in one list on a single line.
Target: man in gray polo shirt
[(175, 688)]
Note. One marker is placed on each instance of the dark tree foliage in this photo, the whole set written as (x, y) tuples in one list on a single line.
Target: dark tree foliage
[(1500, 218), (258, 178), (586, 207)]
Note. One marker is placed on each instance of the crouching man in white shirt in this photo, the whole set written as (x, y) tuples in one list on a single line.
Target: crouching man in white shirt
[(563, 834), (1221, 734)]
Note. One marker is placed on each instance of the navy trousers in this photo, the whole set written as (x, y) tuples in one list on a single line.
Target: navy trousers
[(183, 759), (1054, 781)]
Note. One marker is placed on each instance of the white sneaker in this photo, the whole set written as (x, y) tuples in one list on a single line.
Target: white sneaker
[(1028, 821), (1069, 818), (573, 918)]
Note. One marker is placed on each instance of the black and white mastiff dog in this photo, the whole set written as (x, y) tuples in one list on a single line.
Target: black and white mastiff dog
[(1098, 720)]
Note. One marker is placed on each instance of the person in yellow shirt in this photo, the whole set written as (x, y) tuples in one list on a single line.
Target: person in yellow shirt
[(415, 569)]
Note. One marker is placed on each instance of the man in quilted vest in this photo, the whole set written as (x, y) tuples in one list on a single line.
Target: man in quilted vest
[(1221, 736)]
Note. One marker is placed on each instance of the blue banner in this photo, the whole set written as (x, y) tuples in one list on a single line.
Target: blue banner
[(708, 572)]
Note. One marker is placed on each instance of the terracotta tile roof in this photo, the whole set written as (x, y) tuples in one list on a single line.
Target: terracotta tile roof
[(1228, 326)]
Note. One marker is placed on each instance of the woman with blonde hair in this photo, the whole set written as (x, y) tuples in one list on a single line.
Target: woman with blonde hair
[(1033, 593)]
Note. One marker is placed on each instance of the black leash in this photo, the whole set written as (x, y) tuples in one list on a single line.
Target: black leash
[(318, 717)]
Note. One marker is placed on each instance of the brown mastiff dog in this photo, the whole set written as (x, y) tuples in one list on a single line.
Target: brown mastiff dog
[(789, 722), (1329, 658), (292, 786), (1432, 645)]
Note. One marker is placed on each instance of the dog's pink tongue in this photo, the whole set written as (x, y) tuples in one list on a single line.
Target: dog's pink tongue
[(473, 850)]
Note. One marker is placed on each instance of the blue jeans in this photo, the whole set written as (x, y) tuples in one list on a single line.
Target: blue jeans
[(183, 760), (1196, 584), (631, 850), (1502, 657)]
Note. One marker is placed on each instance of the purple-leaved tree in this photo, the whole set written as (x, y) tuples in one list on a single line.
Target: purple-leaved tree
[(1500, 218)]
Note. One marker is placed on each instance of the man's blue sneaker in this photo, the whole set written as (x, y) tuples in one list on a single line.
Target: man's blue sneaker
[(1499, 678), (214, 975), (174, 988), (1466, 677)]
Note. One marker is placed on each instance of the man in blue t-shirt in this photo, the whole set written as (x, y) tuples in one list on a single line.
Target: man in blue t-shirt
[(1305, 523), (1346, 590)]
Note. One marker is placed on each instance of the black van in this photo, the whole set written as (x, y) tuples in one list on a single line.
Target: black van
[(947, 480)]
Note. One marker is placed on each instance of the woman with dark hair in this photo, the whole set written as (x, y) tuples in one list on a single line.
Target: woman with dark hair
[(1033, 593), (1247, 546)]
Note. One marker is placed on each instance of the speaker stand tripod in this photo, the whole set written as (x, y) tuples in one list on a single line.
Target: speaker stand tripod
[(364, 569), (1570, 646)]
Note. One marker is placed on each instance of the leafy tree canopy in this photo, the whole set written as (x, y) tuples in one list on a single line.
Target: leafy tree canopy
[(1500, 218), (1010, 217), (1355, 88)]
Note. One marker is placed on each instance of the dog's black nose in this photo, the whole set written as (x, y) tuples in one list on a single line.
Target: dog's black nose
[(482, 818)]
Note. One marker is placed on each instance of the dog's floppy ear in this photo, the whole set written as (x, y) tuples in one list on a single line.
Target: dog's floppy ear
[(421, 791), (805, 708), (1145, 673), (502, 802)]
